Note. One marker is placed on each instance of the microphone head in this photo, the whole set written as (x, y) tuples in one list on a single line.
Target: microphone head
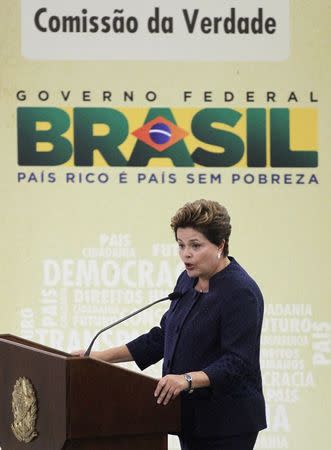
[(175, 295)]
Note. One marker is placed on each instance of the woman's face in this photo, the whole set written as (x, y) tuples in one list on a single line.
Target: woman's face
[(197, 253)]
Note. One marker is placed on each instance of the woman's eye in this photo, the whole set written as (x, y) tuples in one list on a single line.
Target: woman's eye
[(195, 246)]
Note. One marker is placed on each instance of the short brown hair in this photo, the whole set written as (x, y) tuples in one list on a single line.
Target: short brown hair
[(208, 217)]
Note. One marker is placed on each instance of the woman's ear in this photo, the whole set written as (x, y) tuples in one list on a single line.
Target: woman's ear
[(220, 249)]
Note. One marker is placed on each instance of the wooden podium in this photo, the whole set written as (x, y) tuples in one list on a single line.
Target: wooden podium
[(82, 403)]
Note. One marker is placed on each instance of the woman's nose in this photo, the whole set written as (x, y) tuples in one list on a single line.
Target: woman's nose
[(187, 253)]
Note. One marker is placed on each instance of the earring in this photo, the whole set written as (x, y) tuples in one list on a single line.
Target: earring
[(219, 255)]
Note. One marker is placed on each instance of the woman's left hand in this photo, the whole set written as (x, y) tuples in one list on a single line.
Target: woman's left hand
[(169, 387)]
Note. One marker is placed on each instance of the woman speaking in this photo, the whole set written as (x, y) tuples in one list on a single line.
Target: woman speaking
[(209, 339)]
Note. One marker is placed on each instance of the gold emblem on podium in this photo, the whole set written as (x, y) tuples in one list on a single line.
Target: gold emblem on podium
[(24, 406)]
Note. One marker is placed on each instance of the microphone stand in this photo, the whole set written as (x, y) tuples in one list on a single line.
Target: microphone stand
[(172, 296)]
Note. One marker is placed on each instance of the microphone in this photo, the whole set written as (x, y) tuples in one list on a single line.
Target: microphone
[(172, 296)]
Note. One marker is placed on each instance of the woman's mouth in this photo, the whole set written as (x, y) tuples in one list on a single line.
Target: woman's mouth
[(189, 266)]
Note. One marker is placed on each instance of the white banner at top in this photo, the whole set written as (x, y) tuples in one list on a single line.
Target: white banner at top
[(186, 30)]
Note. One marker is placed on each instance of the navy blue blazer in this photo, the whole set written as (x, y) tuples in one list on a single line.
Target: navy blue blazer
[(219, 333)]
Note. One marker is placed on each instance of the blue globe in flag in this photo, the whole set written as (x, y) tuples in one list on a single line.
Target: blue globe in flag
[(160, 133)]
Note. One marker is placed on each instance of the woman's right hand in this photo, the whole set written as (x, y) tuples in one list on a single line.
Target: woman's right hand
[(111, 355), (80, 352), (94, 355)]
